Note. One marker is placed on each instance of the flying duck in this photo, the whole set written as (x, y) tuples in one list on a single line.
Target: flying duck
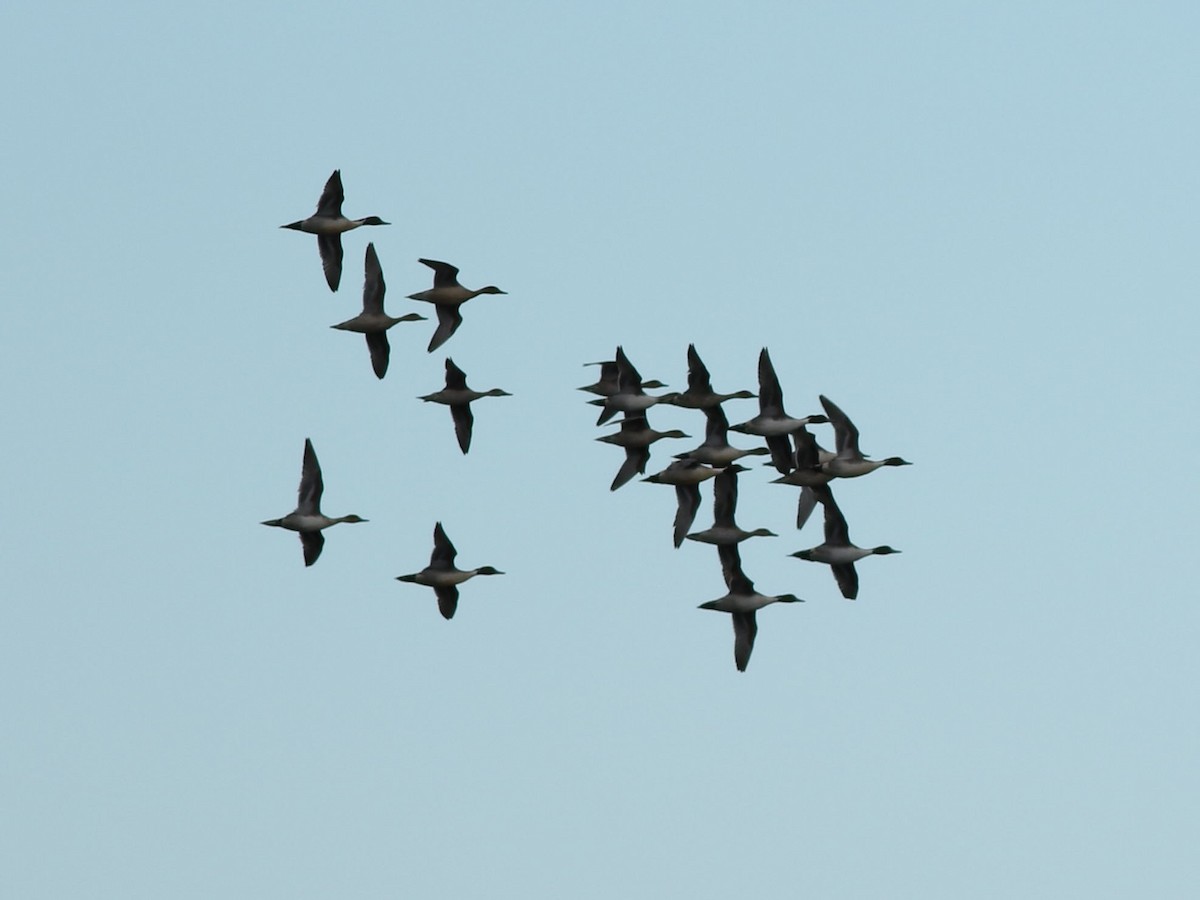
[(850, 462), (373, 321), (699, 393), (606, 386), (447, 295), (635, 436), (837, 551), (629, 397), (328, 224), (716, 450), (742, 602), (686, 475), (725, 529), (307, 518), (808, 475), (772, 422), (441, 574), (459, 398)]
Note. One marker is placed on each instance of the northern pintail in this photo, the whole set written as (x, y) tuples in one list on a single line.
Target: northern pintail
[(838, 553), (328, 224), (699, 393), (716, 450), (307, 518), (808, 475), (742, 602), (441, 574), (635, 436), (850, 462), (772, 422), (725, 530), (607, 385), (373, 321), (686, 475), (629, 397), (459, 398), (447, 295)]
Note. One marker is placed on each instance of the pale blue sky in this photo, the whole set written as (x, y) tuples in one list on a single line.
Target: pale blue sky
[(973, 226)]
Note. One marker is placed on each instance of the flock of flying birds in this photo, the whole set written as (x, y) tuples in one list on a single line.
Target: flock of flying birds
[(447, 297), (794, 452)]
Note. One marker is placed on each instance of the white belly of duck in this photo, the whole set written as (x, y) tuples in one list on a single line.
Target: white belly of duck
[(300, 522), (443, 579), (324, 225), (837, 556), (851, 468)]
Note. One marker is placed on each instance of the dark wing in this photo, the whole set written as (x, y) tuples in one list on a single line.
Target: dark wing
[(725, 498), (770, 394), (698, 377), (745, 628), (808, 455), (847, 579), (464, 419), (608, 377), (449, 318), (607, 413), (312, 486), (447, 600), (330, 203), (844, 431), (312, 541), (330, 246), (444, 274), (443, 550), (688, 496), (731, 567), (456, 378), (381, 351), (373, 286), (628, 377), (837, 533), (781, 452), (806, 505), (716, 432), (635, 464), (606, 386)]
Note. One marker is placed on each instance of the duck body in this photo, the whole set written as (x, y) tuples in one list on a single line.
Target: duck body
[(700, 393), (686, 475), (742, 602), (373, 321), (607, 384), (716, 450), (725, 530), (459, 398), (447, 295), (843, 467), (307, 519), (442, 575), (838, 552), (636, 433), (629, 398), (809, 475), (684, 472), (772, 422), (727, 535), (635, 437), (328, 224), (849, 461)]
